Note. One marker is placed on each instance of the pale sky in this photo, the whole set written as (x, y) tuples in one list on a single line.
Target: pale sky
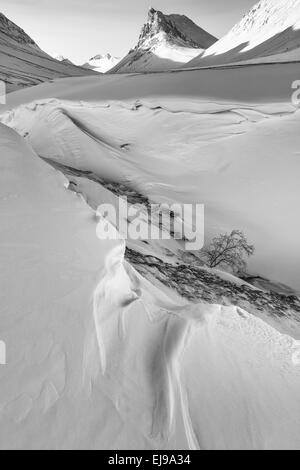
[(80, 29)]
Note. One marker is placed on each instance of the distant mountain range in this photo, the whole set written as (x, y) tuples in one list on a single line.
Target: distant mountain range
[(63, 59), (102, 63), (23, 63), (165, 42)]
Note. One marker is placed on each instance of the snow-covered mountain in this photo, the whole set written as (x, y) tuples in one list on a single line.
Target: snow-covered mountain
[(270, 32), (23, 63), (63, 59), (165, 42), (102, 63)]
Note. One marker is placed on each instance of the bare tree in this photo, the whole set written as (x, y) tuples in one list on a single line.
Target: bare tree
[(229, 250)]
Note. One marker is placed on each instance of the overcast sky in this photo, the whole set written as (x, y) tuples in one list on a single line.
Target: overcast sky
[(80, 29)]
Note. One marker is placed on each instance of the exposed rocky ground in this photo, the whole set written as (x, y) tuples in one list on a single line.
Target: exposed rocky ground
[(177, 28), (118, 189), (14, 32), (197, 284)]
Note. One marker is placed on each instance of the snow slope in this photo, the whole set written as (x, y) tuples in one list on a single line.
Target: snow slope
[(102, 63), (23, 63), (270, 32), (78, 376), (166, 41)]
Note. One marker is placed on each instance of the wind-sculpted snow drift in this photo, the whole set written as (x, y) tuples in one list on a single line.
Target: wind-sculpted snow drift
[(100, 358)]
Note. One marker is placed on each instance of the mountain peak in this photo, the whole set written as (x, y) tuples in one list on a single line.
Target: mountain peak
[(173, 28), (151, 11), (63, 59), (165, 42), (102, 62), (107, 56)]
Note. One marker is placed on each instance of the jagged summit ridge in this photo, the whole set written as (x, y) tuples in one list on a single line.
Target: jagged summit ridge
[(175, 28), (101, 56)]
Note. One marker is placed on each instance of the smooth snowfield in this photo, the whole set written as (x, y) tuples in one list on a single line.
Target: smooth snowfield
[(254, 84), (99, 358), (239, 158)]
